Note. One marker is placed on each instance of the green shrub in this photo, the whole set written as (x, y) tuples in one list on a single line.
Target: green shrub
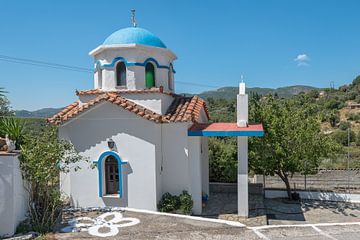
[(186, 203), (172, 203), (357, 140), (14, 128), (344, 125), (342, 137), (353, 116), (169, 203), (41, 162), (333, 104)]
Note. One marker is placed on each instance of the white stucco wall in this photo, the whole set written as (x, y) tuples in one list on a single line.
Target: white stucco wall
[(175, 175), (157, 102), (135, 74), (13, 196), (195, 173), (135, 140), (205, 165), (162, 158)]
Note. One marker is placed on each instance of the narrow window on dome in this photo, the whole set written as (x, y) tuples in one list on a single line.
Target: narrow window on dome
[(149, 75), (121, 74), (171, 77), (99, 75)]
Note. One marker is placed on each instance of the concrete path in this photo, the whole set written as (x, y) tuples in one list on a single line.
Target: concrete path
[(158, 226)]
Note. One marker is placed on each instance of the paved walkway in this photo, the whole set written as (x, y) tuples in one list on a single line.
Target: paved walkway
[(158, 226), (269, 219)]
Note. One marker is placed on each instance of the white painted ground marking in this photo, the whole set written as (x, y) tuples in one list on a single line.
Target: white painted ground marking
[(260, 235), (323, 233), (305, 225), (93, 228), (230, 223)]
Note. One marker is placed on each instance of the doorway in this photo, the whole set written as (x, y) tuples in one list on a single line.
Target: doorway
[(112, 175)]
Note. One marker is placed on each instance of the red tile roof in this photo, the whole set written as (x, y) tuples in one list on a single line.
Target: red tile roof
[(182, 109)]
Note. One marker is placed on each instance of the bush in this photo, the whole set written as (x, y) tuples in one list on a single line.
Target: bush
[(172, 203), (14, 128), (333, 104), (342, 137), (41, 162), (344, 125), (186, 203), (353, 116), (169, 203), (314, 93), (357, 140)]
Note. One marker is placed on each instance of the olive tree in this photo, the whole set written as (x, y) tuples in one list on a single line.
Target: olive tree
[(293, 141), (43, 157)]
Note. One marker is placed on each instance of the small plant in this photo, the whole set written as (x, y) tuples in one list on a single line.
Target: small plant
[(24, 227), (344, 125), (186, 203), (14, 128), (173, 204), (169, 203)]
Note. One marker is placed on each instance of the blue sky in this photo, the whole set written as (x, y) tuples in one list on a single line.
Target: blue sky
[(272, 43)]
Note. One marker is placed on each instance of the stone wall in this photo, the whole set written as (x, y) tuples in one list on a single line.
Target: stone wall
[(216, 187), (325, 180)]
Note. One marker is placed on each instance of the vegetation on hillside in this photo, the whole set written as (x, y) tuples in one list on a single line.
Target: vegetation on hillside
[(326, 109)]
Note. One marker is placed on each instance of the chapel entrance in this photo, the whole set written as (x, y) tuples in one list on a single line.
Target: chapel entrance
[(111, 175)]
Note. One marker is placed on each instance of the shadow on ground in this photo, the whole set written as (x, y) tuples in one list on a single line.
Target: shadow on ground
[(280, 211)]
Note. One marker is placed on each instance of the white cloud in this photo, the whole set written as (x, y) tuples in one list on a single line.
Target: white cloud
[(302, 60)]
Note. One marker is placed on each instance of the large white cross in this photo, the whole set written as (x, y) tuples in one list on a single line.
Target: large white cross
[(242, 178)]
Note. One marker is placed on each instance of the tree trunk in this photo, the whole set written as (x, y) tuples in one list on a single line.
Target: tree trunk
[(285, 179), (288, 187)]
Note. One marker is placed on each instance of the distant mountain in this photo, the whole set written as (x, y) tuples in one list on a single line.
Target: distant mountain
[(41, 113), (224, 92), (231, 92)]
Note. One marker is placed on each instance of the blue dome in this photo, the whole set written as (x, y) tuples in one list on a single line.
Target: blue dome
[(135, 35)]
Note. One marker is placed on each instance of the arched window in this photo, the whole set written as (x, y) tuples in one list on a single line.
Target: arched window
[(171, 77), (149, 75), (120, 74), (111, 175), (99, 76)]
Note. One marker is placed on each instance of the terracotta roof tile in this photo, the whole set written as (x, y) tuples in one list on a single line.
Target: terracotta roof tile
[(182, 109)]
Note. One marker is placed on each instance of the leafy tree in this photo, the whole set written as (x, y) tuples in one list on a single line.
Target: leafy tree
[(223, 159), (356, 81), (5, 109), (43, 157), (314, 93), (293, 141)]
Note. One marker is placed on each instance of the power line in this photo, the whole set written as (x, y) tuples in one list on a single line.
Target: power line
[(44, 64)]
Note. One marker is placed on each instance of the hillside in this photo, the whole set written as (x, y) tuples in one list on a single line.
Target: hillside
[(224, 92), (41, 113), (231, 92)]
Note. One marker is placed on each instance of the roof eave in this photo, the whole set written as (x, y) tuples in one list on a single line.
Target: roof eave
[(101, 48)]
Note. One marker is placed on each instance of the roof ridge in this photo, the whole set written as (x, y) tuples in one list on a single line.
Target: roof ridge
[(182, 109)]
